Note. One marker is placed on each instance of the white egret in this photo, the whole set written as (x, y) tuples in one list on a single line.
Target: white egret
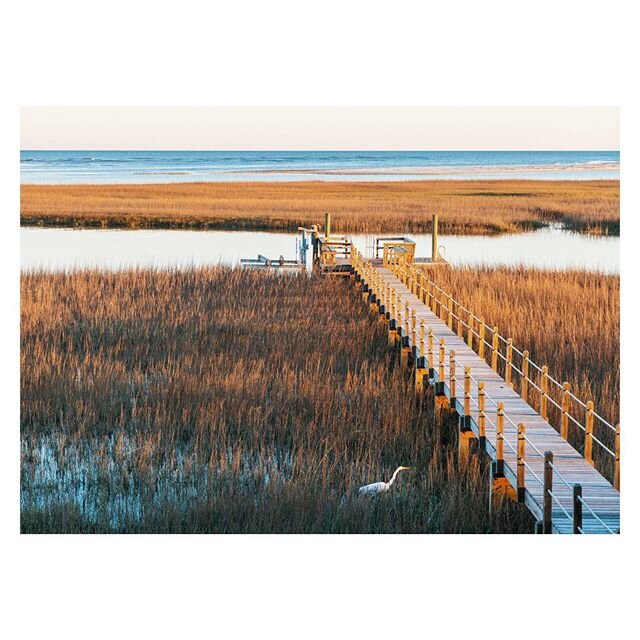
[(381, 487)]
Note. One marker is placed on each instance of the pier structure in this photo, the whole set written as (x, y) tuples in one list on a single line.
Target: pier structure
[(549, 449)]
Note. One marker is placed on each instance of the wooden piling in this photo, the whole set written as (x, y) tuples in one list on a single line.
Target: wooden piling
[(481, 414), (434, 237), (495, 346), (544, 390), (509, 362), (588, 433), (414, 329), (577, 508), (500, 439), (521, 453), (564, 424), (524, 382), (467, 393), (547, 500), (452, 378), (430, 349)]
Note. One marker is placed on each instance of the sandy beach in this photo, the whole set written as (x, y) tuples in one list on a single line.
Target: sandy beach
[(445, 171)]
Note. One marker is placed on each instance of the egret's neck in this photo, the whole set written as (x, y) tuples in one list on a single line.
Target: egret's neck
[(393, 477)]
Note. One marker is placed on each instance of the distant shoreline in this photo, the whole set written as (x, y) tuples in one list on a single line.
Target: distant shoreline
[(443, 170), (464, 206)]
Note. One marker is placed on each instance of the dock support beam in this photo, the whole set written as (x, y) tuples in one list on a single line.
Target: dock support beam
[(405, 351), (466, 442), (393, 333), (441, 406), (547, 505), (421, 374), (500, 486), (466, 437), (434, 237)]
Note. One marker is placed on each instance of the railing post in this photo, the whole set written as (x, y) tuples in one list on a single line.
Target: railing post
[(577, 508), (481, 414), (507, 366), (521, 454), (616, 480), (564, 425), (500, 439), (452, 378), (470, 330), (414, 329), (441, 362), (393, 322), (467, 393), (430, 350), (421, 349), (481, 332), (450, 313), (588, 433), (544, 390), (547, 501), (406, 319), (495, 345), (524, 383)]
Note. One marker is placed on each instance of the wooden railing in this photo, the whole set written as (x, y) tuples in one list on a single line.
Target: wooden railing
[(393, 252), (554, 400), (331, 249), (476, 333)]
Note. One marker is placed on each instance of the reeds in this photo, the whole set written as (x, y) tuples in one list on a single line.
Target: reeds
[(220, 400), (368, 207)]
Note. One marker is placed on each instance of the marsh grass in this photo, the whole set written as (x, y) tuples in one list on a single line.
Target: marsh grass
[(221, 400), (485, 206)]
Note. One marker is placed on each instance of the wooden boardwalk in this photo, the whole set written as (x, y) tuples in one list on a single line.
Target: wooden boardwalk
[(531, 461)]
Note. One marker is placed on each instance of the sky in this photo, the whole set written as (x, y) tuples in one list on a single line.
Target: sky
[(320, 128)]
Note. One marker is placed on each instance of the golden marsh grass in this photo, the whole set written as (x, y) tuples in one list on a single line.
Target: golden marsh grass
[(221, 400), (480, 206)]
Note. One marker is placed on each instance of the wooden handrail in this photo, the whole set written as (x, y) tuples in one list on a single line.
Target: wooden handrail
[(443, 304)]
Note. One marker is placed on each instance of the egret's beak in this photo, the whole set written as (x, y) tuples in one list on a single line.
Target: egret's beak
[(405, 468)]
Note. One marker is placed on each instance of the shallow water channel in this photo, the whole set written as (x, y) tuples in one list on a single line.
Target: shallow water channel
[(64, 249)]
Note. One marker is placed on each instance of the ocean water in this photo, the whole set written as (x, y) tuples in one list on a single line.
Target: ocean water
[(110, 167)]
